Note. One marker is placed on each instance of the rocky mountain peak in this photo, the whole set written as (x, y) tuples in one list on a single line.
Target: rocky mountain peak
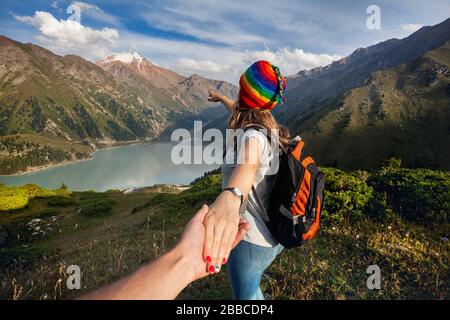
[(125, 57)]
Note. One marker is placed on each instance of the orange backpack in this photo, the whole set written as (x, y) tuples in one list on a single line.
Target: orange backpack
[(296, 200)]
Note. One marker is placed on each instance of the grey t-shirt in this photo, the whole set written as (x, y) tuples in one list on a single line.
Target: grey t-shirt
[(259, 233)]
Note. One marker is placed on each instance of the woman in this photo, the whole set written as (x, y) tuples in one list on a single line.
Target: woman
[(261, 89)]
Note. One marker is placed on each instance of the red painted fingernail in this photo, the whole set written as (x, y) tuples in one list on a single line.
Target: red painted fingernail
[(208, 259), (211, 269), (224, 261)]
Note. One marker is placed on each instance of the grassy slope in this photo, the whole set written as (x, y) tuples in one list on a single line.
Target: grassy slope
[(413, 258), (401, 112)]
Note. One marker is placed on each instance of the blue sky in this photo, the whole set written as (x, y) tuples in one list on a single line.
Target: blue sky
[(216, 39)]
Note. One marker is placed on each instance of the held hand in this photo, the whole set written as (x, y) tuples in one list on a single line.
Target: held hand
[(214, 96), (192, 240), (221, 223)]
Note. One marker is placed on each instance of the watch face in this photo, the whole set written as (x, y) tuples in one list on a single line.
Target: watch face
[(238, 192)]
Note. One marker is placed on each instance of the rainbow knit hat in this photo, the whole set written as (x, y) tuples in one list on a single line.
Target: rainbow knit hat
[(261, 86)]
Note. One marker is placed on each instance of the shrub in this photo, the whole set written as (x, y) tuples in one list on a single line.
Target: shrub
[(346, 194), (12, 198), (60, 201), (211, 184), (208, 173), (46, 213), (12, 202), (204, 190), (114, 191), (416, 194), (20, 254), (96, 207)]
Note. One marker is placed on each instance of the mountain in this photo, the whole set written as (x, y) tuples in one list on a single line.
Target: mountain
[(401, 112), (130, 67), (388, 100), (188, 93), (69, 97), (310, 90), (60, 108)]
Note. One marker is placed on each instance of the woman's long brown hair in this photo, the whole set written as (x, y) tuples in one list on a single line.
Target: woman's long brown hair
[(243, 118)]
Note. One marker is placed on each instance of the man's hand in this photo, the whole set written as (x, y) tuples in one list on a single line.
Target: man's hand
[(221, 223), (165, 277)]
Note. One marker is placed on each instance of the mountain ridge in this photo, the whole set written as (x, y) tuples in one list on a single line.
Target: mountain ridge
[(61, 108), (401, 112), (189, 91), (307, 91), (58, 108)]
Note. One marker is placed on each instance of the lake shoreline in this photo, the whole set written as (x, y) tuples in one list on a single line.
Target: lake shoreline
[(90, 157), (116, 167)]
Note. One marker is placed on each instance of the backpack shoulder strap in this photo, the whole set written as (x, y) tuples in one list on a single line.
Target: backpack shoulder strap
[(298, 149), (260, 204)]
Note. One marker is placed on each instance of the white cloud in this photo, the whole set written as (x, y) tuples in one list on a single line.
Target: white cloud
[(214, 30), (70, 36), (251, 23), (291, 61), (203, 65), (233, 63), (411, 27), (225, 60)]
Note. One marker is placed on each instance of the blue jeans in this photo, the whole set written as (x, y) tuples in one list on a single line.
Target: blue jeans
[(246, 265)]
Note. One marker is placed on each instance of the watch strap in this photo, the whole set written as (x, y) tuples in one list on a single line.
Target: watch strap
[(231, 189)]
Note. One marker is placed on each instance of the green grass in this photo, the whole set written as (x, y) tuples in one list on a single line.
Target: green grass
[(13, 198), (363, 230)]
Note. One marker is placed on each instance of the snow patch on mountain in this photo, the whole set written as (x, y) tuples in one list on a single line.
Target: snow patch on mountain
[(125, 57)]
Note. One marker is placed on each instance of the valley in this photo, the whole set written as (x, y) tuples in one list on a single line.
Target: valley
[(56, 109), (377, 122), (387, 100)]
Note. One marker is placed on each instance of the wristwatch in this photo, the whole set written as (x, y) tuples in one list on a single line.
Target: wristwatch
[(236, 192)]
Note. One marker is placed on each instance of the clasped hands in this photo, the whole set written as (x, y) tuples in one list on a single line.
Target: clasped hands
[(211, 234)]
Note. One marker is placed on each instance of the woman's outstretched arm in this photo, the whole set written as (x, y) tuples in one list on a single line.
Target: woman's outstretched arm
[(221, 220), (217, 97), (168, 275)]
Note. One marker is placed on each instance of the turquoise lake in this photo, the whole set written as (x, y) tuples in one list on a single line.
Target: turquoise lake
[(123, 167)]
